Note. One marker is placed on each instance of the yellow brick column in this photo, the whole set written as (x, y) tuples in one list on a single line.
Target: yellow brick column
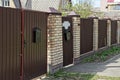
[(54, 43), (76, 38), (95, 34), (108, 32), (118, 32)]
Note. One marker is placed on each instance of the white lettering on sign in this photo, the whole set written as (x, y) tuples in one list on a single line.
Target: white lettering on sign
[(66, 24)]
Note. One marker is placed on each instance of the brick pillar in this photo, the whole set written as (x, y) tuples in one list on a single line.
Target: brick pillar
[(108, 32), (76, 38), (95, 34), (118, 32), (54, 43)]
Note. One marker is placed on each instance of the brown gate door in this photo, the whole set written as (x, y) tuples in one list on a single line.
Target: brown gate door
[(35, 44), (86, 35), (67, 41), (102, 33), (10, 40), (113, 32)]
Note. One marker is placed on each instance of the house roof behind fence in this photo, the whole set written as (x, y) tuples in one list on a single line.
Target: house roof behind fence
[(42, 5)]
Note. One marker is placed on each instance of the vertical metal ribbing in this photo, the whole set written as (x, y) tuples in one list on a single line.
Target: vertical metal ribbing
[(22, 45)]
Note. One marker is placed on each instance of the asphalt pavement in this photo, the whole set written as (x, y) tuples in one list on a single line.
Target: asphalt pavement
[(110, 67)]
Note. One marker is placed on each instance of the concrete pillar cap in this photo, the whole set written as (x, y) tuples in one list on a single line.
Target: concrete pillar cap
[(72, 13)]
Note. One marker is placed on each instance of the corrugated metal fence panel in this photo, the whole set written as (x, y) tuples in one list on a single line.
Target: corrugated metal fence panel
[(67, 44), (10, 44), (113, 32), (102, 33), (1, 44), (86, 35), (35, 56)]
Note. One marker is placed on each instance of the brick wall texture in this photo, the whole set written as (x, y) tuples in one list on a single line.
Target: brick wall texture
[(108, 32), (55, 47), (118, 32), (55, 43), (95, 34), (76, 37)]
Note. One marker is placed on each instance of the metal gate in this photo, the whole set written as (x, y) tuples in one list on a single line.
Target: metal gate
[(35, 55), (113, 32), (86, 35), (10, 44), (35, 44), (67, 41), (102, 33)]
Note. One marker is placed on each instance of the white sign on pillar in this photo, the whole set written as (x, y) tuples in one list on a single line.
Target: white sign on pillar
[(66, 24)]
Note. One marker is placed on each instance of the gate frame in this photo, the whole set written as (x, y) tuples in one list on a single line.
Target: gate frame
[(22, 43), (69, 18), (22, 46), (76, 36)]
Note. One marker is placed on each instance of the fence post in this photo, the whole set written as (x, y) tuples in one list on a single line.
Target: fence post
[(108, 32), (76, 38), (118, 32), (54, 42), (95, 34)]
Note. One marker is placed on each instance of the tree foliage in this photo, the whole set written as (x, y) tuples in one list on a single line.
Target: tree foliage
[(84, 9)]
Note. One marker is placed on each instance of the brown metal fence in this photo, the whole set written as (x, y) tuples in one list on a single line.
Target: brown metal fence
[(86, 35), (67, 42), (10, 43), (35, 56), (35, 44), (113, 32), (102, 33)]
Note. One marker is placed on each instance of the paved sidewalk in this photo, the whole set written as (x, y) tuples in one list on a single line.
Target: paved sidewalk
[(110, 67)]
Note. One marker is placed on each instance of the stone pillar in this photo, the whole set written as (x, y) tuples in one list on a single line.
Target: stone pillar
[(108, 32), (76, 38), (118, 32), (95, 34), (54, 43)]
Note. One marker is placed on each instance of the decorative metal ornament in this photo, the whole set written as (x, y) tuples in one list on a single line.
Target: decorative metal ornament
[(66, 24)]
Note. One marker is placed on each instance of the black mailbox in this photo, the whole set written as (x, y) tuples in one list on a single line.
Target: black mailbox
[(67, 34), (36, 35)]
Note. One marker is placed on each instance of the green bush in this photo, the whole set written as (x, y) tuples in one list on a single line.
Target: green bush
[(102, 56)]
